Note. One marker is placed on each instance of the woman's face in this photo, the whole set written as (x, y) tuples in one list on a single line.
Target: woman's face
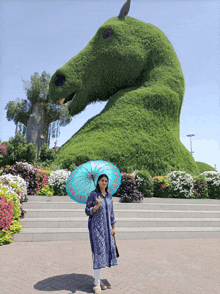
[(103, 183)]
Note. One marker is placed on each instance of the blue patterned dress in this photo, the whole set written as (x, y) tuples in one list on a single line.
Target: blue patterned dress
[(99, 225)]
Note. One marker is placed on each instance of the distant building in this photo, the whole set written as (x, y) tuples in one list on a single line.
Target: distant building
[(56, 148)]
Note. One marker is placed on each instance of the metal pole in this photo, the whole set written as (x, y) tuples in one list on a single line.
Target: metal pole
[(191, 135)]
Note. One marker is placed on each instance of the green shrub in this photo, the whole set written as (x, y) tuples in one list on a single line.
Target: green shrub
[(144, 183), (15, 227), (55, 166), (1, 161), (213, 181), (57, 180), (200, 188), (46, 191), (48, 172), (128, 189), (47, 154), (182, 184), (70, 165), (31, 153), (19, 150), (162, 187), (5, 237)]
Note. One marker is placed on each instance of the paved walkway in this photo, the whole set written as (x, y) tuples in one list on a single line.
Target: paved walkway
[(175, 266)]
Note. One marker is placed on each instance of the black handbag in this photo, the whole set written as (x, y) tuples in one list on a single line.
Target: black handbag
[(117, 253)]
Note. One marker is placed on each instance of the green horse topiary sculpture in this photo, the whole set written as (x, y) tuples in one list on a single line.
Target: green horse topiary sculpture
[(133, 66)]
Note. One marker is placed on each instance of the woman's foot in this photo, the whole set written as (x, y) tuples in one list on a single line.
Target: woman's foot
[(97, 289), (103, 286)]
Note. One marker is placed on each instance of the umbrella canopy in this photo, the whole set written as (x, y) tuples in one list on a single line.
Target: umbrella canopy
[(83, 180)]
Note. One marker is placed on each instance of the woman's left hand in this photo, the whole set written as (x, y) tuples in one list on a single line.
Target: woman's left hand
[(113, 232)]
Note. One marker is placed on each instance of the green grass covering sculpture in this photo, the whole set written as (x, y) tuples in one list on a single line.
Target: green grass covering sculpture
[(133, 66), (202, 166)]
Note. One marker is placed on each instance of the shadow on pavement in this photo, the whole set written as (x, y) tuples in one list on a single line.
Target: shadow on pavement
[(73, 283)]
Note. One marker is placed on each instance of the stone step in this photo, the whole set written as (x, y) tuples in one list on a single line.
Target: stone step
[(60, 218), (117, 205), (70, 234), (57, 213), (78, 222), (156, 200)]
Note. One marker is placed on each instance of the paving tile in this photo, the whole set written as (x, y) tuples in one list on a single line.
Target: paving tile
[(187, 266)]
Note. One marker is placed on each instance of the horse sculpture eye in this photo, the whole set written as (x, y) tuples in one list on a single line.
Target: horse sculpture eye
[(60, 80), (107, 34)]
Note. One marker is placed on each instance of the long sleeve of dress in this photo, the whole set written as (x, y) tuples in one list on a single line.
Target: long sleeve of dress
[(113, 221), (91, 202)]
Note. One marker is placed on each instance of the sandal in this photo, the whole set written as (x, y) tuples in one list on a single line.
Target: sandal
[(103, 286), (97, 290)]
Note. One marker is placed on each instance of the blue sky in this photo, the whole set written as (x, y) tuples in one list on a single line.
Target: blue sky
[(44, 35)]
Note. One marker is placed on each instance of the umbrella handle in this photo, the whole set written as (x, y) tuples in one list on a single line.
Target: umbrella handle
[(114, 239)]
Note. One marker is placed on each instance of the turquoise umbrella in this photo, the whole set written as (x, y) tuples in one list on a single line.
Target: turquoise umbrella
[(83, 180)]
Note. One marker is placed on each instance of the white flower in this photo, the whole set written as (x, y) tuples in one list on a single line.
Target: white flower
[(212, 177), (134, 172), (10, 190), (58, 178), (26, 164), (15, 179), (182, 182)]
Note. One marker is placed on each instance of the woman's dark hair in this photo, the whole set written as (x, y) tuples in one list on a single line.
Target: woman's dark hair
[(99, 178)]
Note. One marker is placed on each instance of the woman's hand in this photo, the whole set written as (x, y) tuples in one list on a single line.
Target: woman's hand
[(113, 231), (99, 200)]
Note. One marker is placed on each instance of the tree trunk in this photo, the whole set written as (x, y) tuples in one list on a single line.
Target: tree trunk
[(37, 127)]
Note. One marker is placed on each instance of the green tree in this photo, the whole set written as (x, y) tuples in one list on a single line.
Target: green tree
[(19, 150), (46, 154), (37, 117)]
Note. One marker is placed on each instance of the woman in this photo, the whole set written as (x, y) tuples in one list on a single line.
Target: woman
[(101, 225)]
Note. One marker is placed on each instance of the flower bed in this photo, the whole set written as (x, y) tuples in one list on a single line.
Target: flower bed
[(144, 182), (213, 182), (182, 184), (57, 181), (16, 180), (128, 189), (200, 188), (179, 184), (162, 187), (9, 213), (34, 178), (176, 184), (15, 185)]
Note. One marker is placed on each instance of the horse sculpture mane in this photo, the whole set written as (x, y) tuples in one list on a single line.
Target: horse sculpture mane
[(133, 66)]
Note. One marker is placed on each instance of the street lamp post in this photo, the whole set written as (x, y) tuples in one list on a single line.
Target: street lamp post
[(191, 135)]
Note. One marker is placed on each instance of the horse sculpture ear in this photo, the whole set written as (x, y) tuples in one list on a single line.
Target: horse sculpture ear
[(125, 9)]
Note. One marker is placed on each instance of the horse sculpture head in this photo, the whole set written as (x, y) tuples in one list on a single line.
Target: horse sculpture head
[(135, 65)]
